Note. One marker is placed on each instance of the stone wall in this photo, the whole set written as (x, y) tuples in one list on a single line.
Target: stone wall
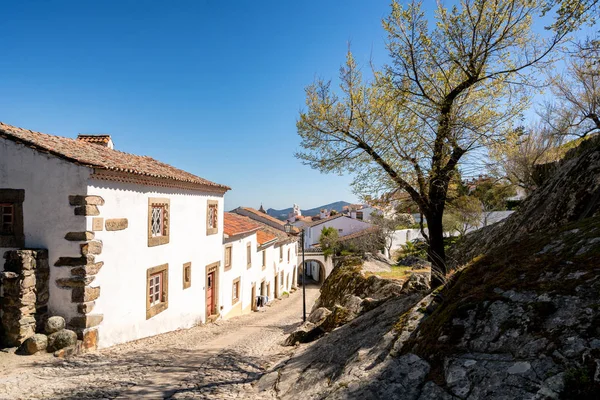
[(84, 269), (25, 294)]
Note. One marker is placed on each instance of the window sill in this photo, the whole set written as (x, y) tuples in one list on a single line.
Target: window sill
[(156, 309), (157, 241)]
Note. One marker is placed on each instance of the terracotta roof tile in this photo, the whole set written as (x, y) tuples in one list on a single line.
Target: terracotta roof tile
[(234, 224), (264, 218), (263, 236), (263, 215), (369, 230), (94, 138), (92, 155)]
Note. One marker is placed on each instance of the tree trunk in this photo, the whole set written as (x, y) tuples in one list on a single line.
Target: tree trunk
[(435, 251)]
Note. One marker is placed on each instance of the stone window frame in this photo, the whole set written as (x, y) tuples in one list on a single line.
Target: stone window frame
[(15, 198), (249, 255), (187, 268), (289, 258), (227, 265), (209, 229), (166, 204), (281, 253), (152, 310), (264, 259), (235, 294)]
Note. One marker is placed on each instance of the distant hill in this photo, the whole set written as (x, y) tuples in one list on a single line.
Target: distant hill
[(283, 214)]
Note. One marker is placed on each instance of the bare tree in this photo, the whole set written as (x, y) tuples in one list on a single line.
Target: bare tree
[(515, 158), (464, 213), (576, 108)]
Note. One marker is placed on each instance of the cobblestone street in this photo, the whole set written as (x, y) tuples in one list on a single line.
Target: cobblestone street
[(215, 361)]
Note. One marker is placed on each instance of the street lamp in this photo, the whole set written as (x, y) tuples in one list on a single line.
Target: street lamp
[(288, 229)]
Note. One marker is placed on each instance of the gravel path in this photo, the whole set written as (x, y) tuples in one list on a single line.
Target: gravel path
[(215, 361)]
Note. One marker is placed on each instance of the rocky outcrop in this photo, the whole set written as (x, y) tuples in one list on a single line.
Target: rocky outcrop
[(518, 324), (347, 281), (521, 320), (346, 294), (571, 194)]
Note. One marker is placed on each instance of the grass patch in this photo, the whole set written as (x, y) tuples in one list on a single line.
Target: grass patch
[(398, 272)]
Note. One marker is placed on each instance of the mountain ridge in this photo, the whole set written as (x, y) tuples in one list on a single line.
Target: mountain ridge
[(283, 214)]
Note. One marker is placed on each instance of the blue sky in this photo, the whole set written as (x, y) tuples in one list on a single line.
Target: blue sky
[(211, 87)]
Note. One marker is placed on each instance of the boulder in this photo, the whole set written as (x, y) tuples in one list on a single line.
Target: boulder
[(414, 262), (369, 303), (304, 334), (61, 339), (35, 343), (352, 304), (54, 324), (417, 283), (338, 317), (318, 316)]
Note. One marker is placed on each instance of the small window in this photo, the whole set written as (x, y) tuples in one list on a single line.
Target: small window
[(212, 217), (235, 292), (158, 221), (7, 219), (157, 287), (227, 257), (264, 259), (340, 230), (249, 255), (187, 275), (280, 253), (11, 218), (359, 215), (289, 258)]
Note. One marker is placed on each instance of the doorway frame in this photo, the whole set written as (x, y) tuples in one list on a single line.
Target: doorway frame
[(210, 268)]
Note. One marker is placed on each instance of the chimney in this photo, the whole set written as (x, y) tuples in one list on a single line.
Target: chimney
[(99, 139)]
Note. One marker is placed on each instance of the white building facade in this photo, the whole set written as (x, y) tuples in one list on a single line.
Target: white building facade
[(134, 245), (342, 223)]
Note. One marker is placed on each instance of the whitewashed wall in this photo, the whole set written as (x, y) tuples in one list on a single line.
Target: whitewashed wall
[(255, 274), (346, 224), (287, 266), (127, 257), (405, 235), (47, 216), (239, 269)]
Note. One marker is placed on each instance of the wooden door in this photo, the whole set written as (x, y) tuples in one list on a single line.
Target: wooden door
[(253, 298), (276, 286), (210, 294)]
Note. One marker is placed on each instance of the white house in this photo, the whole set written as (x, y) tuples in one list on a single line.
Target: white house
[(276, 269), (344, 225), (361, 212), (135, 246), (240, 265)]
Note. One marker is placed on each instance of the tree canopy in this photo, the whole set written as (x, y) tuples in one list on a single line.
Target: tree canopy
[(451, 88)]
